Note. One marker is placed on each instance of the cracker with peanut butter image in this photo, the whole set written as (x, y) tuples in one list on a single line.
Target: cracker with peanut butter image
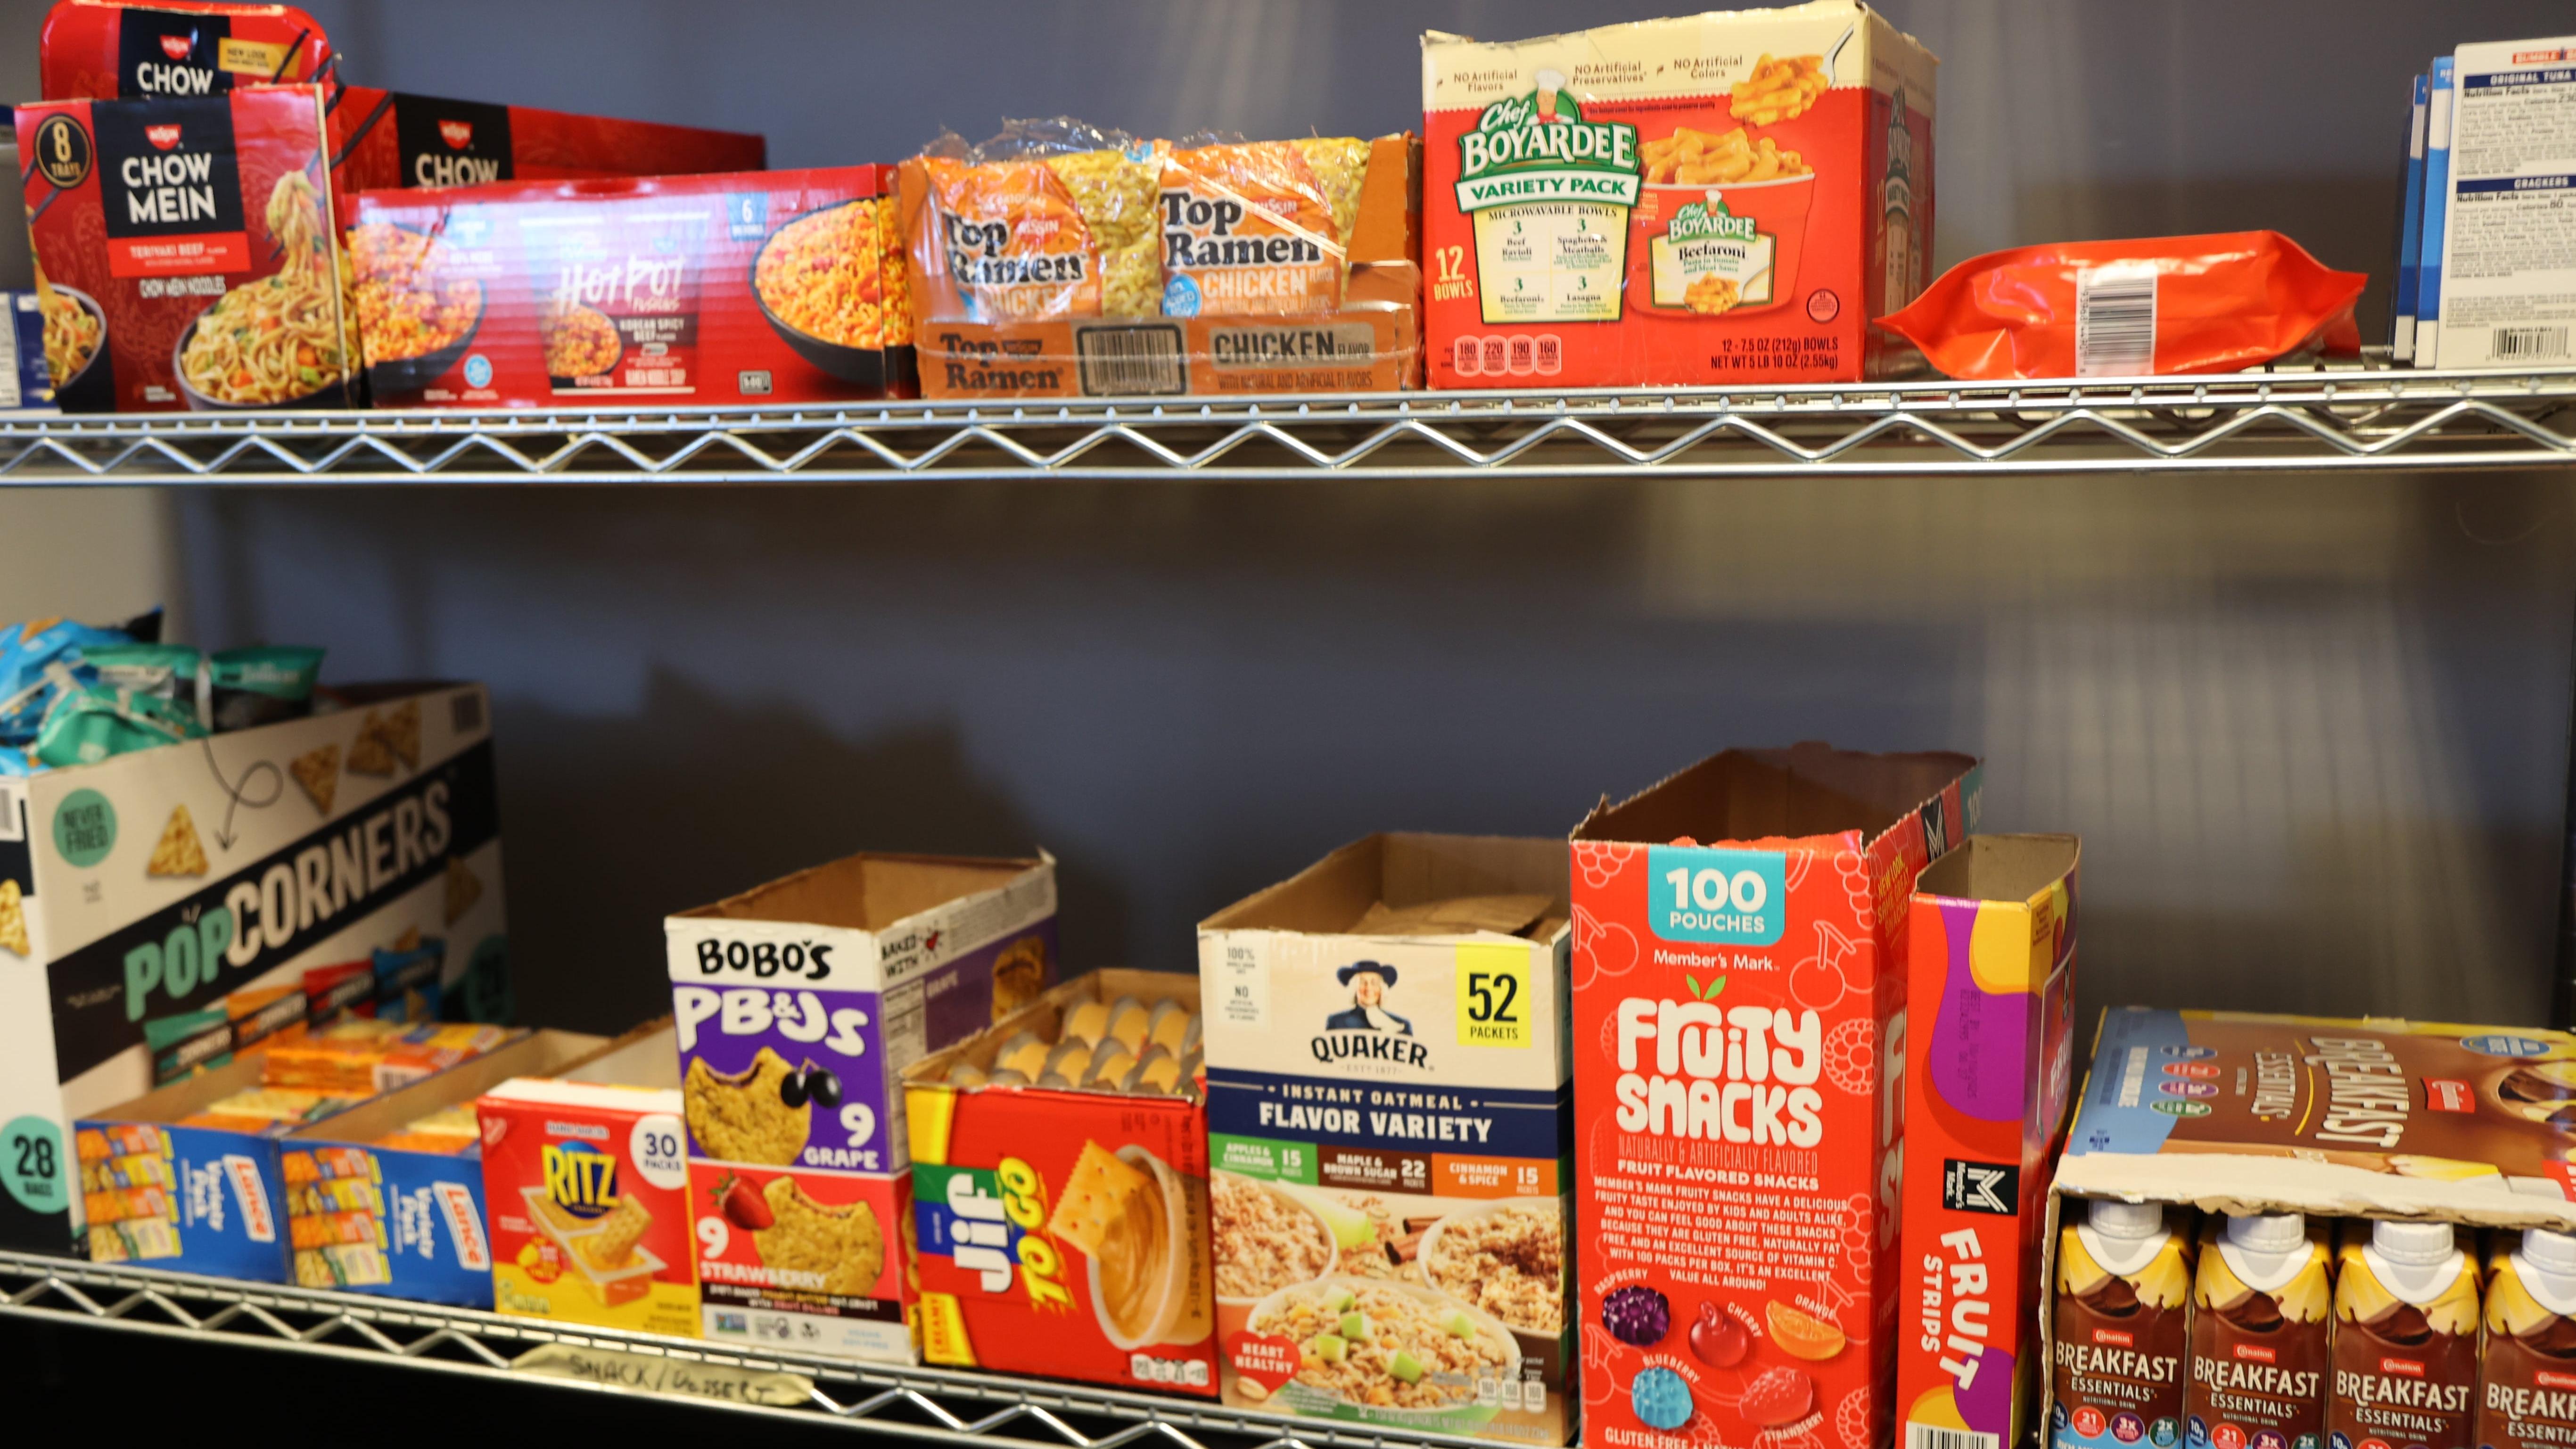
[(564, 1219), (843, 1246), (13, 920), (742, 1117), (613, 1246), (179, 851), (1019, 974)]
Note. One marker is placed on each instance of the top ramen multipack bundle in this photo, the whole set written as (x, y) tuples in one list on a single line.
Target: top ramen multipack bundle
[(1722, 198), (1062, 261)]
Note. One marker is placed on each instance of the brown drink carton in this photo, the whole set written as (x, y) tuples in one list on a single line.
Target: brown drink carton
[(2527, 1395), (2123, 1281), (2259, 1335), (2406, 1340)]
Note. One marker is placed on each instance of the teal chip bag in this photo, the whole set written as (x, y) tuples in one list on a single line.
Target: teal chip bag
[(263, 684), (91, 725)]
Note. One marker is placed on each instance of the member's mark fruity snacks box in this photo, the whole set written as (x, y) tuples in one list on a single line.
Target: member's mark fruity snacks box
[(1739, 1030), (1729, 197), (1990, 1055), (797, 1004), (587, 1189)]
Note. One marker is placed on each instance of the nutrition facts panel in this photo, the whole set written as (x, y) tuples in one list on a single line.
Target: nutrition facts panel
[(1557, 261)]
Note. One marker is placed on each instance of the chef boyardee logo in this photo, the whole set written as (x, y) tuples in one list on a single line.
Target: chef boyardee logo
[(580, 1179), (1538, 147), (1709, 221)]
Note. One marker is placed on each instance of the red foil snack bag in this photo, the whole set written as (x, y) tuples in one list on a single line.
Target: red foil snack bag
[(2177, 304)]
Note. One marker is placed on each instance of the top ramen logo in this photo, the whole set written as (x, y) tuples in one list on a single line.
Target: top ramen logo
[(177, 46), (457, 134), (163, 137), (1742, 1074)]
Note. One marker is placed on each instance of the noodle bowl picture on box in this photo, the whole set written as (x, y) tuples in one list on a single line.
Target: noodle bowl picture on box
[(184, 253)]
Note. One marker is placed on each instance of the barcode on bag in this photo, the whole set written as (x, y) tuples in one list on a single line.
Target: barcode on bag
[(1933, 1436), (2529, 342), (2115, 322), (1131, 361)]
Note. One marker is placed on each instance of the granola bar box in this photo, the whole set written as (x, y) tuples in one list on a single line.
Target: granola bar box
[(1730, 197), (1740, 1027), (1387, 1130), (1989, 1061), (1060, 1189), (798, 1004), (587, 1190)]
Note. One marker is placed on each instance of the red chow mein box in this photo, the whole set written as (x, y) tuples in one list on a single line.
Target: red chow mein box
[(388, 140), (778, 286), (102, 49), (183, 252)]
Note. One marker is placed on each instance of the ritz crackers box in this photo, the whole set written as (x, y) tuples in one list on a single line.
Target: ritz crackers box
[(1003, 1194), (1730, 197), (1739, 1030), (587, 1191), (798, 1004), (1989, 1026)]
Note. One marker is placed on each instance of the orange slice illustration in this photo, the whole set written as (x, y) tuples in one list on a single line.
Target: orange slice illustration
[(1802, 1335)]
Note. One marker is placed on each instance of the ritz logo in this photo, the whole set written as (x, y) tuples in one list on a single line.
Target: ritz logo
[(457, 134), (1367, 1029), (764, 959), (580, 1179)]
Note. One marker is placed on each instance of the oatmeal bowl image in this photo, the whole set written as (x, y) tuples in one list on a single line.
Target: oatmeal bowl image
[(1267, 1238), (1384, 1352), (1507, 1258)]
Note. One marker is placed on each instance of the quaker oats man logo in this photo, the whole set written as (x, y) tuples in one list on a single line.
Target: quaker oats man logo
[(1369, 982)]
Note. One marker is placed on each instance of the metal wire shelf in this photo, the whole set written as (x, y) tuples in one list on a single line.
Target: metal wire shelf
[(2367, 418), (925, 1405)]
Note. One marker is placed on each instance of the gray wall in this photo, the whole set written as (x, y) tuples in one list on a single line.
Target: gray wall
[(2313, 729)]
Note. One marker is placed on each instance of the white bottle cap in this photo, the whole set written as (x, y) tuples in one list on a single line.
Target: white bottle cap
[(2267, 1233), (2415, 1244), (2124, 1220), (2550, 1252)]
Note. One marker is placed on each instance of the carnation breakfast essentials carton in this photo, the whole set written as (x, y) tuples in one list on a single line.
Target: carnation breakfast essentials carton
[(1739, 1031), (798, 1004), (1386, 1076)]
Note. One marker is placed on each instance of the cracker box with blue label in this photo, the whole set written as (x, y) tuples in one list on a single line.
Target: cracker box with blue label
[(798, 1004), (2242, 1113), (1387, 1077), (162, 883)]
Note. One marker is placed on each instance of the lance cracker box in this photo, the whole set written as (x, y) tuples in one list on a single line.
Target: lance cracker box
[(798, 1005), (1989, 1030), (1729, 197), (1739, 1035)]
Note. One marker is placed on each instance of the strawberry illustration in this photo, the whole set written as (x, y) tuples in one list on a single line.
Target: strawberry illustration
[(742, 1203)]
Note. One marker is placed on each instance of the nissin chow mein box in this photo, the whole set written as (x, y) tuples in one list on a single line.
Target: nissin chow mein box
[(1730, 197), (105, 49), (1990, 1055), (774, 286), (389, 140), (184, 252), (1739, 1034)]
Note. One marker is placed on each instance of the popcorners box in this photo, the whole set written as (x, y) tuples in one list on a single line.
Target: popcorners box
[(155, 884)]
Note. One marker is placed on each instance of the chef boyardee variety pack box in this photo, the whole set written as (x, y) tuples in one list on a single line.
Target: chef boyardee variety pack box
[(1386, 1073), (797, 1004), (153, 888), (1739, 1030), (1721, 198), (1990, 1057)]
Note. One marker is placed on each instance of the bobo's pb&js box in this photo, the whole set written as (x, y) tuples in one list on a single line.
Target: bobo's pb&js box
[(798, 1004), (1739, 1028), (1990, 1045), (1062, 1228), (1721, 198), (587, 1190), (1386, 1076)]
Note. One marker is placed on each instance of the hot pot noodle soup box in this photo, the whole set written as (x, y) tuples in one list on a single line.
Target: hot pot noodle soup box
[(1731, 197), (1739, 1039), (1387, 1119), (1063, 1229), (798, 1005), (776, 286), (190, 242)]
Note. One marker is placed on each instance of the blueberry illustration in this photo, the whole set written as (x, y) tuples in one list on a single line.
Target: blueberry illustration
[(823, 1087), (1661, 1399), (791, 1089), (1637, 1314)]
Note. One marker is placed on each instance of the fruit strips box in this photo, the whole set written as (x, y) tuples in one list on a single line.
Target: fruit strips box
[(798, 1004), (1063, 1229), (1739, 1031), (1990, 1058), (779, 286), (1387, 1113), (1729, 197)]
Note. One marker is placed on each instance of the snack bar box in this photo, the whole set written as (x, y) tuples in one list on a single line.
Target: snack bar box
[(1731, 197), (774, 286), (798, 1005), (586, 1190), (374, 1207), (1990, 1045), (1739, 1032), (201, 1198), (1063, 1230), (144, 888), (103, 49), (1371, 343), (1387, 1123)]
